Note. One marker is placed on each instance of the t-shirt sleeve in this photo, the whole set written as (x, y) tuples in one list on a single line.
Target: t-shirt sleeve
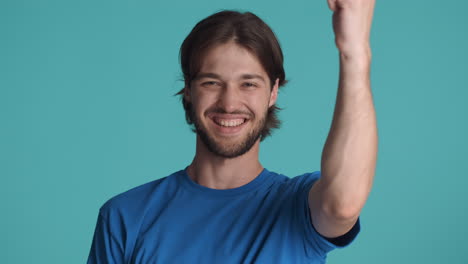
[(106, 247), (316, 241)]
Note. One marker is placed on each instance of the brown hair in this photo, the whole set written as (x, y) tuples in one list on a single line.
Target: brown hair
[(245, 29)]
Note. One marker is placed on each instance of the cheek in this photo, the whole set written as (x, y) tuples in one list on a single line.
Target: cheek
[(202, 102), (259, 102)]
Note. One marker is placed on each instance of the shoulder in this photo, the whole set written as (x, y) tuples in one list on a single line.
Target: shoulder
[(293, 187), (137, 199), (307, 178), (300, 182)]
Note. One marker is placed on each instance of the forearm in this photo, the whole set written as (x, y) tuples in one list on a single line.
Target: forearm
[(350, 152)]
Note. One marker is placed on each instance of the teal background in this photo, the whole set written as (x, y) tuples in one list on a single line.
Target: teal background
[(87, 111)]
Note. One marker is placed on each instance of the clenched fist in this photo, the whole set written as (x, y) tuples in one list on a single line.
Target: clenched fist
[(352, 21)]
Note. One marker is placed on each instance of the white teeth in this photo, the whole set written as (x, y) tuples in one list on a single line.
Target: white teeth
[(230, 123)]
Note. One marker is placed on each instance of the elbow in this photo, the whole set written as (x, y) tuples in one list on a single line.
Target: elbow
[(347, 213), (344, 212), (342, 205)]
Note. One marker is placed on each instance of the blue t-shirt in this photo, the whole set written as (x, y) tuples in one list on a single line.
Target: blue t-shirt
[(176, 220)]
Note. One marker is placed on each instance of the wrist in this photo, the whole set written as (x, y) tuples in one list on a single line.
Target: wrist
[(356, 61), (355, 67), (360, 52)]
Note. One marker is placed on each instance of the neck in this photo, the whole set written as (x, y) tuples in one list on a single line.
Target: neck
[(216, 172)]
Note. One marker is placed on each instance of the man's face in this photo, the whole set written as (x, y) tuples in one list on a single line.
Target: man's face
[(230, 99)]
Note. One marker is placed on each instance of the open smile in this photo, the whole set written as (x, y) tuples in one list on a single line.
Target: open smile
[(228, 124)]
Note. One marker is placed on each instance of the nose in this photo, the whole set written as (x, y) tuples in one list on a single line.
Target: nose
[(229, 99)]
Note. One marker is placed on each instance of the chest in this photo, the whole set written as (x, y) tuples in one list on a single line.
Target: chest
[(201, 230)]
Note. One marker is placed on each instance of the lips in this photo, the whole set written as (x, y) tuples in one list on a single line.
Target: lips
[(228, 123)]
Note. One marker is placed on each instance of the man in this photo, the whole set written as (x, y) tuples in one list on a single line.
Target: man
[(225, 207)]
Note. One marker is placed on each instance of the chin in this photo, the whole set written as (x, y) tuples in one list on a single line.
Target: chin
[(228, 147)]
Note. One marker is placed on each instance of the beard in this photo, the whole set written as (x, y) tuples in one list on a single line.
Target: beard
[(225, 149)]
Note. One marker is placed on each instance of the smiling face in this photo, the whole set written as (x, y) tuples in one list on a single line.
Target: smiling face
[(230, 97)]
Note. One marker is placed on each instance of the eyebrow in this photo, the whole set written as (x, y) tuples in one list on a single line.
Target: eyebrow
[(252, 76), (207, 75), (244, 76)]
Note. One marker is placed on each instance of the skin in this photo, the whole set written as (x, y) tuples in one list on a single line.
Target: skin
[(350, 152), (221, 85)]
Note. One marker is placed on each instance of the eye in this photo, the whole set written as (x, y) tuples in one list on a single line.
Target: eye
[(249, 84), (210, 83)]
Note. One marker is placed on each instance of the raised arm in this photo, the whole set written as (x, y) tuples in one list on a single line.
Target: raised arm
[(350, 152)]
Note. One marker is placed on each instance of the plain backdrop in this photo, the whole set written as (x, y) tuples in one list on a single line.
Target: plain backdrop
[(87, 111)]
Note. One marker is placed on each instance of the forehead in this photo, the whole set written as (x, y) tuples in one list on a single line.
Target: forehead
[(231, 59)]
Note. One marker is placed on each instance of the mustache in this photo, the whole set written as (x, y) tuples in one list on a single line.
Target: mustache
[(218, 110)]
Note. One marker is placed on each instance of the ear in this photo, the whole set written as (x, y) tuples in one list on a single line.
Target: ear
[(274, 93)]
